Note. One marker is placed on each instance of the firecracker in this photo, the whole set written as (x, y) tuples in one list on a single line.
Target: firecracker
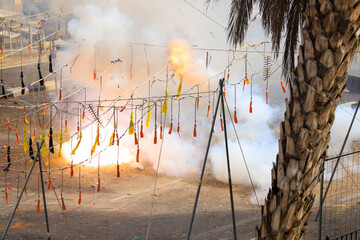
[(17, 138), (131, 124), (148, 115), (282, 86), (24, 138), (179, 87), (77, 145), (166, 102), (22, 83), (34, 135), (60, 147), (51, 142), (8, 123)]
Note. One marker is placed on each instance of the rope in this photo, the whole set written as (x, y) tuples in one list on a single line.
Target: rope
[(155, 181), (242, 153)]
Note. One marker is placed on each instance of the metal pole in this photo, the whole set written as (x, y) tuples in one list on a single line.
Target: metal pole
[(228, 161), (20, 196), (203, 168), (338, 158), (43, 192), (321, 202)]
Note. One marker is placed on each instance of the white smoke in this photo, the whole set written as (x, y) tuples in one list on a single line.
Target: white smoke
[(103, 33)]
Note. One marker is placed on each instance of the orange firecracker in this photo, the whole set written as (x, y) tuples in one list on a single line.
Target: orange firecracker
[(8, 124), (38, 206), (161, 132), (267, 96), (246, 81), (137, 155), (25, 193), (135, 139), (49, 183), (141, 132), (79, 201), (6, 197), (235, 117), (194, 134), (66, 125), (17, 138), (83, 116), (60, 94), (44, 110), (118, 170), (250, 110), (34, 135), (100, 107), (63, 203), (221, 122), (282, 85), (208, 111), (170, 130), (71, 170), (178, 129), (98, 187), (155, 136), (2, 51), (26, 120)]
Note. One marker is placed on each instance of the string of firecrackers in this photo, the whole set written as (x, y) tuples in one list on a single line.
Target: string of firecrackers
[(131, 91), (113, 62), (37, 81), (80, 163), (2, 56), (138, 86), (161, 99), (45, 105), (154, 77)]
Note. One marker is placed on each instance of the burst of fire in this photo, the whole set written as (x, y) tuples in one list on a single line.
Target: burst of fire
[(180, 58), (107, 157)]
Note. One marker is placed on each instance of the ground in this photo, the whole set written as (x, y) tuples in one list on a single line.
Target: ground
[(122, 208)]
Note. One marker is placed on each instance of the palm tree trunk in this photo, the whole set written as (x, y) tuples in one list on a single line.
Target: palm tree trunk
[(329, 39)]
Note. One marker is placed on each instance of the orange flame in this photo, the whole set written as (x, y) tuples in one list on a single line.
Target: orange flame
[(180, 58)]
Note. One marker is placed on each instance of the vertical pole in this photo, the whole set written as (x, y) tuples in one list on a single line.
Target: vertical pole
[(321, 202), (339, 156), (20, 196), (203, 168), (43, 191), (228, 160)]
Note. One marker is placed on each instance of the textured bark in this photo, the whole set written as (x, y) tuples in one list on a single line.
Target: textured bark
[(329, 38)]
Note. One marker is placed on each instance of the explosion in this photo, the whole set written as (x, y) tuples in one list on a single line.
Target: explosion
[(107, 157), (180, 58)]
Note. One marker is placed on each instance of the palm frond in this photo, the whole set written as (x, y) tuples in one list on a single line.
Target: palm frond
[(278, 16)]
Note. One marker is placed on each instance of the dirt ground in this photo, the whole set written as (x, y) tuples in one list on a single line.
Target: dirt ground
[(122, 208)]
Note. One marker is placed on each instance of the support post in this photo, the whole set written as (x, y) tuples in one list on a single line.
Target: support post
[(228, 161), (43, 191), (339, 157), (321, 202), (204, 165), (21, 194), (221, 97)]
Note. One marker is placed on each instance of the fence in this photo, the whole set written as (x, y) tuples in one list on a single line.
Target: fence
[(340, 211)]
